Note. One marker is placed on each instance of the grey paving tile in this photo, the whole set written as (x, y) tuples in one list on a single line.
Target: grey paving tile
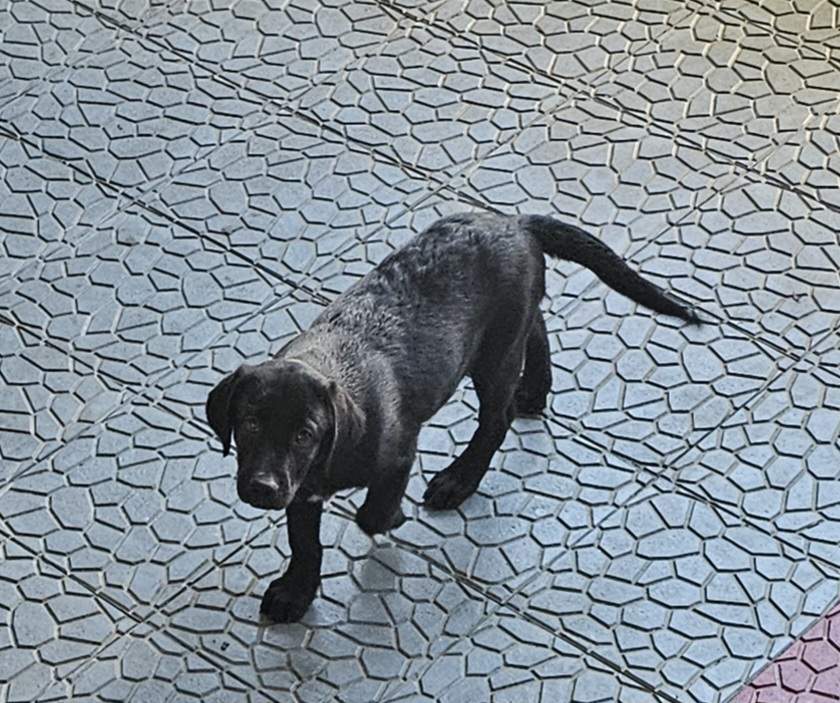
[(131, 114), (646, 388), (826, 353), (256, 339), (130, 13), (288, 196), (137, 293), (49, 624), (430, 100), (568, 40), (42, 200), (381, 613), (48, 398), (683, 595), (776, 463), (145, 664), (39, 38), (509, 660), (759, 256), (275, 48), (132, 509), (724, 84), (809, 160), (814, 24), (606, 171)]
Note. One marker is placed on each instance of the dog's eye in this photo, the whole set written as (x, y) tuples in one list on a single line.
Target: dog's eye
[(250, 424), (304, 437)]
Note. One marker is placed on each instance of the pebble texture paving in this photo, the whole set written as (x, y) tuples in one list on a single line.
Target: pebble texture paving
[(185, 185)]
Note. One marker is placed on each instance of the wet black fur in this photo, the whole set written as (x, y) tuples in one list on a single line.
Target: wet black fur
[(462, 298)]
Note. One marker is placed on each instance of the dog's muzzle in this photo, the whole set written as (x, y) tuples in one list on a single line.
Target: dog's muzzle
[(263, 491)]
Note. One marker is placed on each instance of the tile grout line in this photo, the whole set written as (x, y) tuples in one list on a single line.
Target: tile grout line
[(805, 45), (687, 492), (153, 609), (138, 202), (285, 107), (761, 390), (812, 367), (660, 469), (104, 597), (747, 169), (109, 640), (505, 602), (586, 88), (133, 391), (583, 88)]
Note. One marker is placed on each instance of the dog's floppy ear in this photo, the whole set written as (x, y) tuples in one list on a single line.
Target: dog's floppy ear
[(348, 420), (218, 409)]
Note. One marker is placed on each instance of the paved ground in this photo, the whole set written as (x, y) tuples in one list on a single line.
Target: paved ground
[(184, 185)]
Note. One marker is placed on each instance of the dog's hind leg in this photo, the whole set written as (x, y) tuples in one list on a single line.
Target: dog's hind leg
[(495, 383), (535, 383)]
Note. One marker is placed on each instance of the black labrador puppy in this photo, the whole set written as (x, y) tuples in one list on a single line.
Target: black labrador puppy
[(342, 404)]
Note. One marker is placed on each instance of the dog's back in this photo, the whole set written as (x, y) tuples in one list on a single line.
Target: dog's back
[(428, 305), (429, 310)]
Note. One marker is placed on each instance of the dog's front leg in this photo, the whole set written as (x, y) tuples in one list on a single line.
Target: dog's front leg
[(381, 510), (288, 597)]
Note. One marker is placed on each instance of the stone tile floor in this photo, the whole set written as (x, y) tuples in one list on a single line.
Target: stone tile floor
[(185, 185)]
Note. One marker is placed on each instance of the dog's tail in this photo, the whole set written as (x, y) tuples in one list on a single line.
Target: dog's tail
[(564, 241)]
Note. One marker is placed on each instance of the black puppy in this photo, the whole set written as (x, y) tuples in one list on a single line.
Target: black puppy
[(341, 405)]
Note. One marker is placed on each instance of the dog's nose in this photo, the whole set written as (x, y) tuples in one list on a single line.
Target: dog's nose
[(264, 482), (262, 491)]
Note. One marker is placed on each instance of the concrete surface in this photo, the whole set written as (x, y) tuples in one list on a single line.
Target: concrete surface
[(185, 185)]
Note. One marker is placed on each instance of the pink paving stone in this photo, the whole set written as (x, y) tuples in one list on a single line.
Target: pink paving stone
[(828, 683), (807, 672), (834, 631), (795, 676), (775, 695), (818, 631), (820, 656)]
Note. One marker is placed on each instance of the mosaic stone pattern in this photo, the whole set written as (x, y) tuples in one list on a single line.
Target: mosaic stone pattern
[(807, 671), (184, 186), (50, 625)]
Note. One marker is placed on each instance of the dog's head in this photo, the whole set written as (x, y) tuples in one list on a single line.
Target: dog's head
[(286, 419)]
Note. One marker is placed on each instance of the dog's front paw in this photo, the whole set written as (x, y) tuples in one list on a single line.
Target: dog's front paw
[(449, 488), (286, 600), (373, 522)]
